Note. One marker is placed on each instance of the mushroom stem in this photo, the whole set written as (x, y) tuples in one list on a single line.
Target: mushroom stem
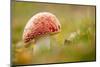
[(42, 44)]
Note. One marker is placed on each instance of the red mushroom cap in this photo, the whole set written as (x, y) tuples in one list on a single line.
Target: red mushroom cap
[(41, 24)]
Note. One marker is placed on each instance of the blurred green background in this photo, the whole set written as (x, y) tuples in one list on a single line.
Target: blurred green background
[(75, 42)]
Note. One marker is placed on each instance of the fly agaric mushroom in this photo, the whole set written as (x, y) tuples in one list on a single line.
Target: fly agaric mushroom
[(39, 28)]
